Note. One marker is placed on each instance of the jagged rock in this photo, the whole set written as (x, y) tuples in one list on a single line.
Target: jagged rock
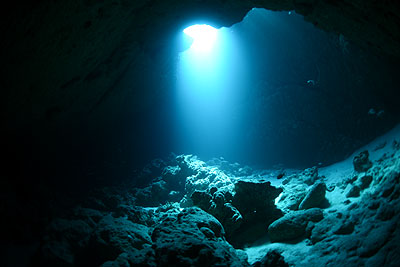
[(171, 175), (202, 199), (293, 225), (216, 205), (361, 162), (255, 200), (193, 237), (174, 179), (292, 195), (295, 191), (207, 178), (246, 207), (315, 198)]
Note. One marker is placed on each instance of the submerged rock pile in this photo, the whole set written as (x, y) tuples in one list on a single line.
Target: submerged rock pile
[(193, 213)]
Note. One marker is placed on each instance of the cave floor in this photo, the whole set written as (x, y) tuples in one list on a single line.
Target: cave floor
[(215, 213)]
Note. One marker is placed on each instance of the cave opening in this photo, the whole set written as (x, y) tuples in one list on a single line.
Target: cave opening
[(145, 136), (204, 36), (273, 90)]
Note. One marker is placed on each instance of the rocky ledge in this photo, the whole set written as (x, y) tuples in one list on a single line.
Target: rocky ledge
[(196, 213)]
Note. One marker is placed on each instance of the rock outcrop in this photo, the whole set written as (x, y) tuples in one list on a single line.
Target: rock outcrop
[(192, 237), (109, 229), (361, 162), (293, 225), (315, 197), (245, 211)]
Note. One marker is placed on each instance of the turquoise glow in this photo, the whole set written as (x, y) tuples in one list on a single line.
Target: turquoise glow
[(211, 77), (204, 37)]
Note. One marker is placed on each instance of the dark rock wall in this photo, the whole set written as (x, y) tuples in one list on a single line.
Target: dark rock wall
[(66, 63), (310, 92)]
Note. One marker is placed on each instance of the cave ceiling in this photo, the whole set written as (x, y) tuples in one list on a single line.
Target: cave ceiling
[(64, 58)]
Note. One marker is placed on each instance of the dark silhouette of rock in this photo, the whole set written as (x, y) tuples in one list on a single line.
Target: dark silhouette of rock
[(365, 181), (114, 236), (193, 237), (293, 225), (271, 259), (354, 191), (361, 162), (248, 206)]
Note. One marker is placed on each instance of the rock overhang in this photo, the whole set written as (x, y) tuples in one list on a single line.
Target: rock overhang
[(72, 56)]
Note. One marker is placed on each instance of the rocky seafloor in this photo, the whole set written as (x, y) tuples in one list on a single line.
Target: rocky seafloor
[(196, 213)]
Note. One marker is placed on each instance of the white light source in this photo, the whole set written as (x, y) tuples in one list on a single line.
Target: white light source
[(204, 37)]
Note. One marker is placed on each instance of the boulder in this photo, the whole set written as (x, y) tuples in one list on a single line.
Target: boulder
[(193, 237), (354, 191), (114, 236), (293, 225), (255, 200), (310, 175), (244, 210), (292, 195), (315, 197), (219, 207), (361, 162), (365, 181)]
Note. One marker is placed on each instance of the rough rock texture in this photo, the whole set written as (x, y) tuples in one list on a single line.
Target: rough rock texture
[(365, 181), (296, 191), (315, 197), (192, 238), (271, 259), (75, 70), (361, 162), (244, 211), (114, 236), (98, 37), (310, 175), (255, 200), (293, 225), (109, 229), (354, 191), (227, 214)]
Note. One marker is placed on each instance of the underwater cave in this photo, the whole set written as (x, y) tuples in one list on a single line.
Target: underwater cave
[(201, 133)]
